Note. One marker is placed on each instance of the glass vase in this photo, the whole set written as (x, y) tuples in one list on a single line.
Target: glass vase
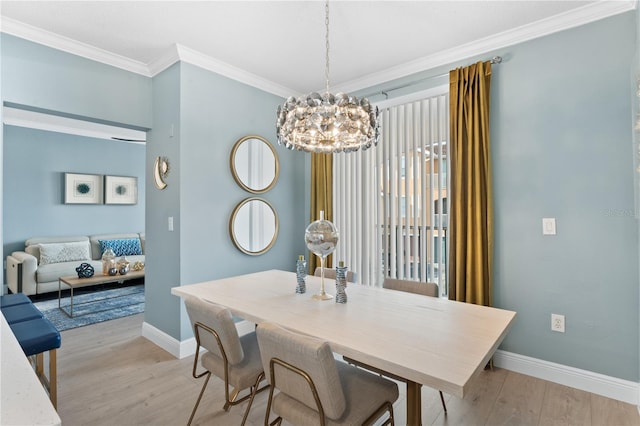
[(321, 238)]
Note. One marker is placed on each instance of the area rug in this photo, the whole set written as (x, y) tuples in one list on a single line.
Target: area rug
[(94, 307)]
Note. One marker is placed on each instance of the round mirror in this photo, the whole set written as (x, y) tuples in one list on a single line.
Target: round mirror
[(254, 226), (254, 164)]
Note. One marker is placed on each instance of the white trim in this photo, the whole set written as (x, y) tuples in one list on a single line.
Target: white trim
[(184, 348), (574, 18), (173, 346), (164, 61), (412, 97), (55, 123), (610, 387), (74, 47), (584, 15), (199, 59)]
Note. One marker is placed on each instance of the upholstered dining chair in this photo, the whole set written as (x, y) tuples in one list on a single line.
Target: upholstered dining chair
[(234, 359), (314, 388), (330, 273), (409, 286)]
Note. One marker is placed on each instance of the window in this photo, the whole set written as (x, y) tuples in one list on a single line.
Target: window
[(391, 202)]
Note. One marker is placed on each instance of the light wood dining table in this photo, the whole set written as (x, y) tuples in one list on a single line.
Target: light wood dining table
[(425, 340)]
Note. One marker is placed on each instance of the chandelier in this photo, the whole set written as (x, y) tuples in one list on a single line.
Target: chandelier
[(327, 123)]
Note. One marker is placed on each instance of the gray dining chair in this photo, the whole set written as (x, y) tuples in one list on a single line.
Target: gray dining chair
[(314, 388), (409, 286), (330, 273), (234, 359)]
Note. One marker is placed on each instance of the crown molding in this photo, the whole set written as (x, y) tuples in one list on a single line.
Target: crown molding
[(571, 19), (74, 47), (194, 57)]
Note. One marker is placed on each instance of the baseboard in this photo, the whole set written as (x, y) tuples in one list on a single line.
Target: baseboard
[(610, 387), (185, 348)]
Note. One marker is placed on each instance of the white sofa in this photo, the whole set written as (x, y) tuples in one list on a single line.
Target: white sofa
[(36, 269)]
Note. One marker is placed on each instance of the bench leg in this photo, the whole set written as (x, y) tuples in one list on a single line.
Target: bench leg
[(40, 365), (50, 383), (53, 378)]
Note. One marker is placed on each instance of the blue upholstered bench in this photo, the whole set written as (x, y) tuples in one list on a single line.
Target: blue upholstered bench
[(13, 299), (19, 313), (36, 335)]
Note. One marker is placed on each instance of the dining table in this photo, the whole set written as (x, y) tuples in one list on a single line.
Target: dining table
[(430, 341)]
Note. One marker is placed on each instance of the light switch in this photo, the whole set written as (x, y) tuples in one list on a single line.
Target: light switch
[(548, 226), (170, 223)]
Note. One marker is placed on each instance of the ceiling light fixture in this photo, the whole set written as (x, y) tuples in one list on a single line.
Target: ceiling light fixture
[(327, 123)]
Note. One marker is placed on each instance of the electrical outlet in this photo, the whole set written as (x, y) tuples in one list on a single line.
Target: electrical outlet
[(557, 323)]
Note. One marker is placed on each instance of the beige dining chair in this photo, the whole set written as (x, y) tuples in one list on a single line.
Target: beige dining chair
[(416, 287), (234, 359), (314, 388), (330, 273)]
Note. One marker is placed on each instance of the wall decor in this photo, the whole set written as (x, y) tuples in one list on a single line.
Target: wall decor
[(160, 172), (254, 226), (120, 190), (82, 189), (254, 164)]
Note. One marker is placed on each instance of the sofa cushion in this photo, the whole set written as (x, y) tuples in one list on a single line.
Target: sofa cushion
[(32, 245), (122, 247), (64, 252), (96, 252)]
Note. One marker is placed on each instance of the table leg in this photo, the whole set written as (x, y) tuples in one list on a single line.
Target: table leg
[(71, 310), (414, 403)]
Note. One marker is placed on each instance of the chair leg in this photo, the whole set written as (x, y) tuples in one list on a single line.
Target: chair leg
[(444, 406), (254, 391), (199, 397), (229, 402)]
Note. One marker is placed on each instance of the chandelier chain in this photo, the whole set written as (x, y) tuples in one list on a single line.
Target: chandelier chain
[(326, 58)]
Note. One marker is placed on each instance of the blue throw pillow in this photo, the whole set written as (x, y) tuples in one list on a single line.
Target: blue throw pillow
[(123, 247)]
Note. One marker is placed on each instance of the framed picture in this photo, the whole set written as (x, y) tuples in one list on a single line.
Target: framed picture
[(82, 189), (120, 190)]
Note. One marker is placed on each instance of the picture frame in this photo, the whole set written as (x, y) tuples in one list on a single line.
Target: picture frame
[(82, 188), (120, 190)]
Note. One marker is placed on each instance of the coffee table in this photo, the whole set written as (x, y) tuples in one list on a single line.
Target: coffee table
[(73, 281)]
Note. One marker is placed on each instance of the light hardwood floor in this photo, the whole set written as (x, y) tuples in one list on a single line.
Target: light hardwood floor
[(109, 375)]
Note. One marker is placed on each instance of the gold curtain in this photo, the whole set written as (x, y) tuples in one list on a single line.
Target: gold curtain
[(321, 197), (471, 215)]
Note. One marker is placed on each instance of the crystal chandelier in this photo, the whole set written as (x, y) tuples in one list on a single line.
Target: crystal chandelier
[(327, 123)]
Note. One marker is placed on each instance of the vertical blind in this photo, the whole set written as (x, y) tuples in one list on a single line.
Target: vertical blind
[(390, 203)]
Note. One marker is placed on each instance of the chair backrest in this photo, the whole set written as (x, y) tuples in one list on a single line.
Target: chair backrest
[(220, 320), (313, 356), (417, 287), (330, 273)]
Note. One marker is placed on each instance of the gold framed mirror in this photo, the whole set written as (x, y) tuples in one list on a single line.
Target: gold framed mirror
[(254, 164), (254, 226)]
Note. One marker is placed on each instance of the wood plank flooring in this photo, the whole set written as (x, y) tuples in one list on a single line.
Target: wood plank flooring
[(109, 375)]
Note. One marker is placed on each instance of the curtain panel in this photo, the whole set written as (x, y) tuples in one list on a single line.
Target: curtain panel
[(321, 198), (471, 215)]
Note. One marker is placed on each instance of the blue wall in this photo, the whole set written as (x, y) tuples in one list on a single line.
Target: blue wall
[(213, 112), (561, 147), (41, 77), (33, 193)]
